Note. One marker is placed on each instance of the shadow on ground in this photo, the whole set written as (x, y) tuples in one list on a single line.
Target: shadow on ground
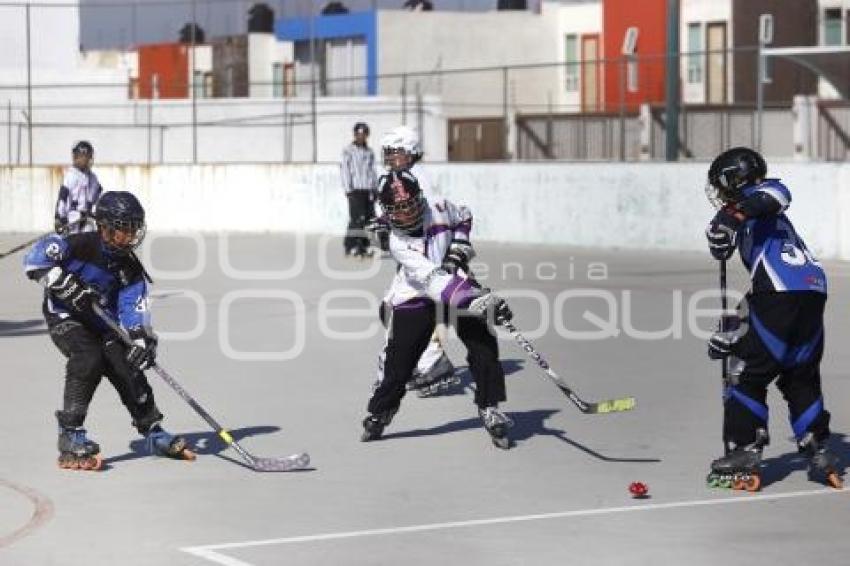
[(527, 425), (780, 467), (206, 443), (10, 328)]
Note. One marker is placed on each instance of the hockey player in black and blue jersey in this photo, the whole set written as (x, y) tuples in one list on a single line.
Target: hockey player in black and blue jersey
[(779, 328), (100, 267)]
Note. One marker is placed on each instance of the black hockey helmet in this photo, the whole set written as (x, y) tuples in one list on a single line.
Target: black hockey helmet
[(402, 201), (121, 220), (83, 147), (731, 171)]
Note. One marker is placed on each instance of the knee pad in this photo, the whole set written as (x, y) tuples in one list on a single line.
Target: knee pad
[(85, 366)]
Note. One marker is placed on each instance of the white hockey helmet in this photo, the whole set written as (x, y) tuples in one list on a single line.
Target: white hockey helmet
[(401, 139)]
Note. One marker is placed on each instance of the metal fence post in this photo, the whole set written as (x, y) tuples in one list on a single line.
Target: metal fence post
[(9, 130), (672, 94), (313, 85), (420, 126), (29, 84), (150, 131), (505, 118), (404, 99), (622, 145), (192, 83)]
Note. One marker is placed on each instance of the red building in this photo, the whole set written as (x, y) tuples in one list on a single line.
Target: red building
[(644, 81), (164, 70)]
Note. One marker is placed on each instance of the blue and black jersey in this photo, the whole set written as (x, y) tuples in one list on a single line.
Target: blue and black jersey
[(772, 251), (118, 279)]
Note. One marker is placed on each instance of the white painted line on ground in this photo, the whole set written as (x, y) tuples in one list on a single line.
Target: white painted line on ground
[(210, 552)]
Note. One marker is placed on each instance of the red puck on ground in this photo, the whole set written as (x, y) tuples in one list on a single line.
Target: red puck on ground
[(638, 489)]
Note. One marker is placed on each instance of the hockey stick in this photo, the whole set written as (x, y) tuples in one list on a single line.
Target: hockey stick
[(724, 363), (26, 244), (288, 464), (610, 406), (82, 221)]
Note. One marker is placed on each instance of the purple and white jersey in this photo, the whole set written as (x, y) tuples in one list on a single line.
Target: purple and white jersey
[(420, 279), (77, 196), (421, 174)]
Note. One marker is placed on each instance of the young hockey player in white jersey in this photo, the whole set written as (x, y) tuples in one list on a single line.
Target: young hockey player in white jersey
[(423, 291), (78, 194), (434, 371)]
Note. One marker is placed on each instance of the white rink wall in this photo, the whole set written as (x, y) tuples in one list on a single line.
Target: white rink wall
[(637, 206)]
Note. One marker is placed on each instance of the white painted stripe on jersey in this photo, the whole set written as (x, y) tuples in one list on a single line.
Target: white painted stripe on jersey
[(774, 277)]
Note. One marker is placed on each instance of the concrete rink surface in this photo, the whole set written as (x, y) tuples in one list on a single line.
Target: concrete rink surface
[(435, 490)]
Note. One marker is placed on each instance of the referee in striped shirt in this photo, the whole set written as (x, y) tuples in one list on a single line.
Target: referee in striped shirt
[(360, 182)]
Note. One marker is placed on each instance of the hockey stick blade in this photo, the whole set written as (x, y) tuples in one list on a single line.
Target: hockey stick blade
[(610, 406), (288, 464)]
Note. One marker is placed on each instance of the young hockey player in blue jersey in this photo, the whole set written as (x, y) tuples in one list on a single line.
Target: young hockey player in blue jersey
[(779, 328), (100, 267), (429, 285)]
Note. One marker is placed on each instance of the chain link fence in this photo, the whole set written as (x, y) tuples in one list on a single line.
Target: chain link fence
[(53, 93)]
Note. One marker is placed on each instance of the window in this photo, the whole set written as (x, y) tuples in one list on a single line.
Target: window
[(277, 80), (208, 85), (198, 84), (695, 55), (832, 27), (572, 69)]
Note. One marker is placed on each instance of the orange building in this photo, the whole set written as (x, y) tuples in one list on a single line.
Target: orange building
[(164, 70), (642, 81)]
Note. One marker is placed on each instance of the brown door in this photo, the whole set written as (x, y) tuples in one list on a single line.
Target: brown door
[(590, 95), (476, 139), (715, 79)]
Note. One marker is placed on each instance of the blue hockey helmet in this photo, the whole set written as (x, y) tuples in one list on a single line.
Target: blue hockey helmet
[(121, 220)]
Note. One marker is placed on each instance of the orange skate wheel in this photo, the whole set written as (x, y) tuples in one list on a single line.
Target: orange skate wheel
[(739, 484), (754, 483), (834, 480), (188, 455)]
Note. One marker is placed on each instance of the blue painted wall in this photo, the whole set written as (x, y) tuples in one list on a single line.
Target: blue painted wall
[(355, 24)]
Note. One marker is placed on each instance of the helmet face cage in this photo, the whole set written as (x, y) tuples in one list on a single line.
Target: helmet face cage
[(122, 236), (391, 161), (403, 205)]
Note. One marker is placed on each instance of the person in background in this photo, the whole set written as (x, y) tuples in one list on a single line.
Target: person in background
[(359, 180), (78, 194)]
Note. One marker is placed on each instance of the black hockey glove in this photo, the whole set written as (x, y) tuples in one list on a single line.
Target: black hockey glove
[(730, 329), (480, 306), (142, 354), (458, 257), (71, 291), (722, 233)]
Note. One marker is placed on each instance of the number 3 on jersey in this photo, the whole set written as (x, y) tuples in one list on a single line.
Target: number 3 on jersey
[(796, 257)]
